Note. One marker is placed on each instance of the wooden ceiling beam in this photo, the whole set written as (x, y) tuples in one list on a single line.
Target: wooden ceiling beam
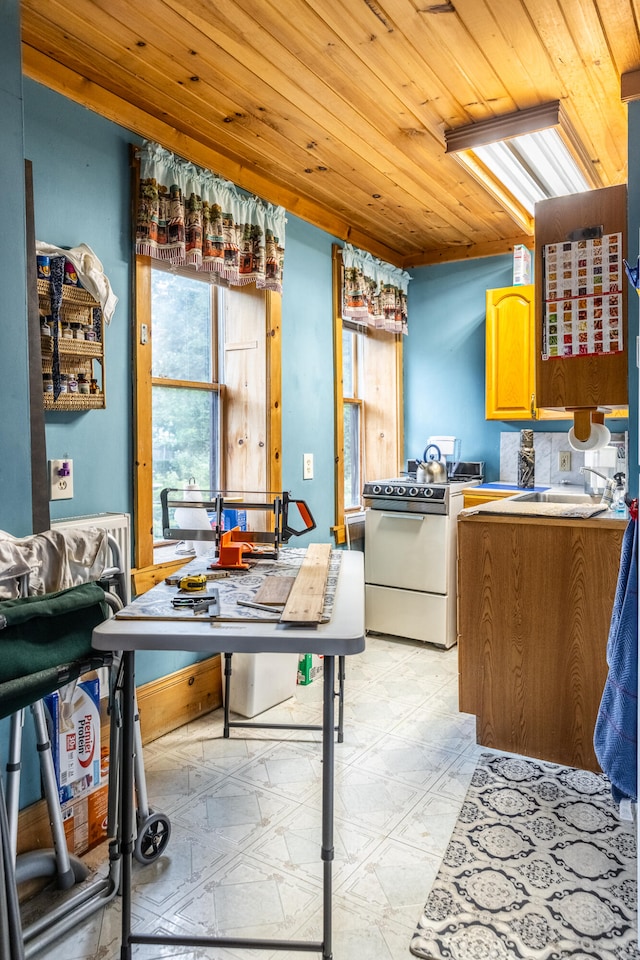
[(470, 252)]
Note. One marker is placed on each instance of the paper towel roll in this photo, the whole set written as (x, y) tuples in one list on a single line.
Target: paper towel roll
[(598, 438), (194, 518)]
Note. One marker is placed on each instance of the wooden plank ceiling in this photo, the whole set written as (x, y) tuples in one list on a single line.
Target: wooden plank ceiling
[(337, 110)]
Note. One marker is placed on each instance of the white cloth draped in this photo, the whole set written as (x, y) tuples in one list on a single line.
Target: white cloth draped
[(55, 559), (90, 273)]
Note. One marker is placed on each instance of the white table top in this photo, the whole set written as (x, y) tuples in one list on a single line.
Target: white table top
[(341, 636)]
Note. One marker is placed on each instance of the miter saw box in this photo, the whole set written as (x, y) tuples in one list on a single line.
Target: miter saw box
[(235, 547)]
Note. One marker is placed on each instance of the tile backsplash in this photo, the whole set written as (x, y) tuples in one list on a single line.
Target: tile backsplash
[(548, 447)]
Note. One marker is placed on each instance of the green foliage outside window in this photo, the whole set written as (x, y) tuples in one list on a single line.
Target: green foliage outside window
[(184, 418)]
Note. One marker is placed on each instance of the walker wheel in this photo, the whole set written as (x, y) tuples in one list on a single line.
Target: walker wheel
[(153, 836)]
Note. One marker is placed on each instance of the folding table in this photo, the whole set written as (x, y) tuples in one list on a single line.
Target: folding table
[(342, 635)]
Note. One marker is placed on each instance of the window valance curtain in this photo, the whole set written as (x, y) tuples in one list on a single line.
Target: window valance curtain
[(374, 292), (188, 216)]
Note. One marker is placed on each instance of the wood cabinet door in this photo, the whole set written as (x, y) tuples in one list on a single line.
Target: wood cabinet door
[(534, 608), (594, 379), (510, 363)]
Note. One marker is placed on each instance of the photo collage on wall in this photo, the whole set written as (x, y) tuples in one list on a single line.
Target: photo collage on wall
[(583, 297)]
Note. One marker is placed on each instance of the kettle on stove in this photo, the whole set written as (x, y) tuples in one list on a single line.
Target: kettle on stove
[(432, 468)]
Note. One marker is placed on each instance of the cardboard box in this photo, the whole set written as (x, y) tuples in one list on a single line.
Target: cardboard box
[(521, 265), (85, 818), (74, 729), (309, 667)]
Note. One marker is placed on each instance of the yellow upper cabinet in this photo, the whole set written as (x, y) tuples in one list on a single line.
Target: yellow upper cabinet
[(511, 359), (510, 385)]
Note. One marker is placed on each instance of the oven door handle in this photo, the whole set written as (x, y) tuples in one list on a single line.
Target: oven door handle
[(404, 516)]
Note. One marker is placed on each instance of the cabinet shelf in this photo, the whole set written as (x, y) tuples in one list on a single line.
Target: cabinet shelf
[(75, 348), (74, 401), (76, 356)]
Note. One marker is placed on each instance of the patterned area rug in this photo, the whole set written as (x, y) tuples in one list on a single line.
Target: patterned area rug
[(539, 867)]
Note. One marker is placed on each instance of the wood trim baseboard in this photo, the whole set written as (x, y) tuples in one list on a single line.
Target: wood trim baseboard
[(180, 697), (164, 705)]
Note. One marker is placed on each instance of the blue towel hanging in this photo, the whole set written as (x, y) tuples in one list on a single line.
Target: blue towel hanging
[(615, 736)]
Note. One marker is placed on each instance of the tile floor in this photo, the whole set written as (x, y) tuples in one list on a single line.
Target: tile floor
[(243, 857)]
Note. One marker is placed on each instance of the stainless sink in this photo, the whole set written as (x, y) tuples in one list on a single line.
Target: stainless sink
[(555, 496)]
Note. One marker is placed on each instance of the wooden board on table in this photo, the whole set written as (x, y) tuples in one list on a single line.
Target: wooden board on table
[(275, 590), (307, 594)]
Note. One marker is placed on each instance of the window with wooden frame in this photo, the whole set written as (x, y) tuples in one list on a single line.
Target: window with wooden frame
[(368, 408), (207, 395)]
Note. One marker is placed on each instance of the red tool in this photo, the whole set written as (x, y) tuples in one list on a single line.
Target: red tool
[(231, 546)]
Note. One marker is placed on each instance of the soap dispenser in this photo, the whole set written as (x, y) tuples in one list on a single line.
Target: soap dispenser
[(618, 505)]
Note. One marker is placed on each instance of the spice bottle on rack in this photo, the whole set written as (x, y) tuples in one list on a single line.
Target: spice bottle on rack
[(526, 460)]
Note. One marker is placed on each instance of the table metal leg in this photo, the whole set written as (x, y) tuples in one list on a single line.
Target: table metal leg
[(341, 678), (227, 692), (327, 801), (128, 833), (127, 818)]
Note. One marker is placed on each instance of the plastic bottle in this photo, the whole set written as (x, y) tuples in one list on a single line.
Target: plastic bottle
[(195, 518), (618, 505)]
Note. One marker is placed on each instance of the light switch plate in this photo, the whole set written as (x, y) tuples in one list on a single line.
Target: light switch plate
[(307, 466), (61, 479)]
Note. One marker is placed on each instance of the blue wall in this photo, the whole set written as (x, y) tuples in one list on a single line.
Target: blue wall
[(307, 373), (15, 462), (82, 195), (444, 360)]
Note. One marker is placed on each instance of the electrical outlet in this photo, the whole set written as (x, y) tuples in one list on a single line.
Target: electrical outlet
[(61, 479), (564, 461), (307, 466)]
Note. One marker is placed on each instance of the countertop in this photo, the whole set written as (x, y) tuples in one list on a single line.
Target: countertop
[(506, 509), (503, 485)]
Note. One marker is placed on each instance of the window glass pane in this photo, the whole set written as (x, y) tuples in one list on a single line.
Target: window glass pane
[(181, 324), (352, 481), (185, 442), (348, 378)]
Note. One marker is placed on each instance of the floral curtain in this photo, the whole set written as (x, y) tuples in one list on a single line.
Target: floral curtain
[(374, 292), (188, 216)]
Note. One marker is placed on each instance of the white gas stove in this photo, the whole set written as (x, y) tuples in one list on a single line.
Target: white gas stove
[(410, 555), (405, 493)]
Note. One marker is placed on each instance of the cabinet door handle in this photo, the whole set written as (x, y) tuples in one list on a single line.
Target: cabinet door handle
[(533, 406)]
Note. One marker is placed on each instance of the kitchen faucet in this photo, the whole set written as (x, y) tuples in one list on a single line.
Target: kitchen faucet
[(610, 485)]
